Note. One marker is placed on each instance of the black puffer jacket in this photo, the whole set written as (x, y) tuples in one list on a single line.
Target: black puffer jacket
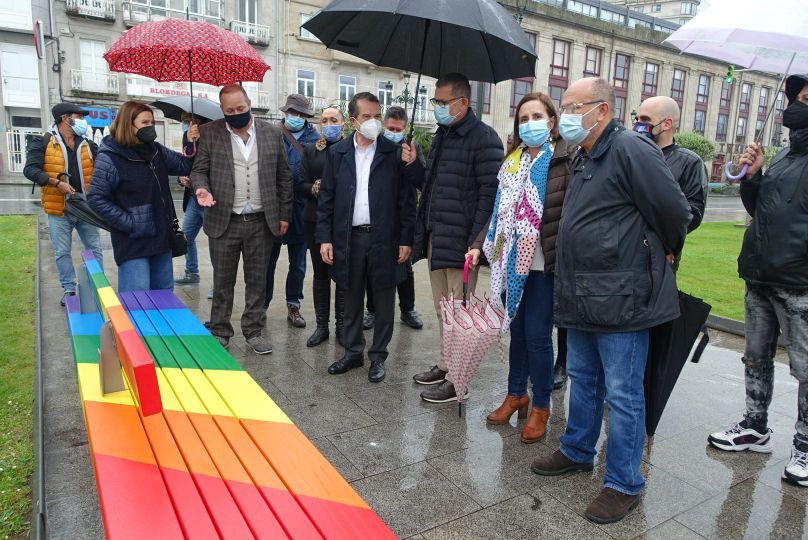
[(458, 190), (690, 173), (775, 246)]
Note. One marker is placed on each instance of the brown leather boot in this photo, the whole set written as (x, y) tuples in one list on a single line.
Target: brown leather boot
[(503, 413), (536, 425)]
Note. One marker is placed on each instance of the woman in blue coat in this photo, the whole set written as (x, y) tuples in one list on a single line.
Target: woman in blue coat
[(130, 190)]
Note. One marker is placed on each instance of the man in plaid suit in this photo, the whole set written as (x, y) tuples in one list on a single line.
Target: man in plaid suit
[(242, 178)]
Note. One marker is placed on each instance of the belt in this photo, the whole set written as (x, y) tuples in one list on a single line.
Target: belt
[(361, 228), (248, 217)]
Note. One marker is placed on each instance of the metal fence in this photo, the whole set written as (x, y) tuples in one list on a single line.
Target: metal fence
[(17, 143)]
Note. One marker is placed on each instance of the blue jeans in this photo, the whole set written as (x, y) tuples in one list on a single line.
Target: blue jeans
[(611, 366), (295, 275), (61, 235), (191, 225), (146, 273), (531, 352)]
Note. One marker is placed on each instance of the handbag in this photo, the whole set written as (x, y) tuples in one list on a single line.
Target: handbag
[(176, 238)]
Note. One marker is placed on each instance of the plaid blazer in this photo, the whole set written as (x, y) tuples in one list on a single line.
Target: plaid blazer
[(213, 170)]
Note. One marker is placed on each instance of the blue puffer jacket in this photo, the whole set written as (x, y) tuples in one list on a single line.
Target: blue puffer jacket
[(309, 136), (133, 195)]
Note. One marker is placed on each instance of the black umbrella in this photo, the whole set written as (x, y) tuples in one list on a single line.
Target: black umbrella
[(477, 38), (668, 349), (76, 206), (173, 107)]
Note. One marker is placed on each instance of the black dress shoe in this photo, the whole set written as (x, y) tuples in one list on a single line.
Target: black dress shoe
[(320, 335), (412, 319), (559, 377), (345, 364), (377, 371)]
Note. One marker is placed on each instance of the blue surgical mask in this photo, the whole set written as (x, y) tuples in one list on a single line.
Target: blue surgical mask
[(295, 123), (184, 127), (80, 126), (534, 133), (393, 136), (571, 129), (443, 116), (332, 132)]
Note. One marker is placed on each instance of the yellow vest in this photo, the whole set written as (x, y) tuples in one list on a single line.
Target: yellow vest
[(53, 201)]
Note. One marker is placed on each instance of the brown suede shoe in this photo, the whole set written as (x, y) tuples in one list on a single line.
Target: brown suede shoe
[(557, 464), (503, 413), (536, 426), (610, 506)]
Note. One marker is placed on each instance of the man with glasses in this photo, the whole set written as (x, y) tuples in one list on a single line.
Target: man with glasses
[(457, 198), (623, 212)]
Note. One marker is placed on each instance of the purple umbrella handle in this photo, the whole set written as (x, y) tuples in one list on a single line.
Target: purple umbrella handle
[(728, 171)]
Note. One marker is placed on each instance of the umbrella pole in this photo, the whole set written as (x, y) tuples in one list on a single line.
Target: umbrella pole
[(418, 82)]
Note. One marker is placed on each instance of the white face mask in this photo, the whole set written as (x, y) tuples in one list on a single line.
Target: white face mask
[(370, 129)]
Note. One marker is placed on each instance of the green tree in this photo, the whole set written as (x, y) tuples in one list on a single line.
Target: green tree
[(702, 146)]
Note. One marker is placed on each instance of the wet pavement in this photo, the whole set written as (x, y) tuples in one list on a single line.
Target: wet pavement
[(432, 475)]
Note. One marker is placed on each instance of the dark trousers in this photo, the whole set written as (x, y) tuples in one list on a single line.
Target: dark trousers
[(294, 277), (406, 292), (318, 267), (248, 237), (358, 272), (561, 354)]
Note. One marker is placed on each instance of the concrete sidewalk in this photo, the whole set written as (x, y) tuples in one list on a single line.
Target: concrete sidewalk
[(432, 475)]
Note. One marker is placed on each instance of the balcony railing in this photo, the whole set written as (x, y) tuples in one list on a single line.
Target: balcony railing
[(138, 12), (257, 34), (94, 83), (93, 9), (260, 99)]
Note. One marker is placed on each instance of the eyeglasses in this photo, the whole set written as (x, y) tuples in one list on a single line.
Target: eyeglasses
[(573, 108), (443, 103)]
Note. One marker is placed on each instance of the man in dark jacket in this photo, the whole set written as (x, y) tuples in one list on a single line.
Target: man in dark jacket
[(658, 119), (297, 133), (623, 212), (457, 198), (774, 264), (365, 217)]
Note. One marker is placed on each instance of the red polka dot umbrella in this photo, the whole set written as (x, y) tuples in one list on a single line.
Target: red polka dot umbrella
[(183, 50)]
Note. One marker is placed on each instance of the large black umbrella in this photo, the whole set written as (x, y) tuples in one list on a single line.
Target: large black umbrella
[(173, 107), (669, 347), (76, 206), (477, 38)]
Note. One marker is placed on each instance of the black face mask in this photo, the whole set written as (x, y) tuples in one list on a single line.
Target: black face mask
[(238, 121), (147, 134), (796, 116)]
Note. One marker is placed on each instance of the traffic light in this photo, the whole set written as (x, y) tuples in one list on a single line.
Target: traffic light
[(730, 75)]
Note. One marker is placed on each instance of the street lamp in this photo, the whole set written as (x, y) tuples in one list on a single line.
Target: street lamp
[(633, 116), (406, 98)]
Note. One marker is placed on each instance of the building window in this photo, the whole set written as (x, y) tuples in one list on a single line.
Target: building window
[(726, 95), (94, 69), (561, 58), (347, 87), (556, 93), (740, 131), (721, 127), (698, 122), (656, 8), (247, 11), (532, 37), (688, 8), (638, 9), (582, 8), (385, 93), (763, 102), (594, 58), (519, 89), (620, 109), (758, 129), (777, 134), (746, 97), (420, 105), (622, 64), (678, 85), (305, 82), (779, 106), (703, 92), (305, 34), (611, 16), (476, 95), (650, 78)]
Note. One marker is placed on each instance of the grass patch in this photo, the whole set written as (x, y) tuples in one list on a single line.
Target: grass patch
[(17, 360), (709, 268)]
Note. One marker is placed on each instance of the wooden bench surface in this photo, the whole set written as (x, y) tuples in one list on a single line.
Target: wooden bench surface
[(221, 460)]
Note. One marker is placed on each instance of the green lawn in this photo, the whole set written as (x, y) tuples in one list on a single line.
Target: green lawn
[(17, 352), (709, 268)]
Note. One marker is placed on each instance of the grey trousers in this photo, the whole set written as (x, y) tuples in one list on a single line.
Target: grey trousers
[(248, 237), (769, 310), (384, 299)]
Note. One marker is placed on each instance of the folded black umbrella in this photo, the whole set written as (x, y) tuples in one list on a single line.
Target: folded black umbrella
[(76, 206), (669, 347), (174, 106)]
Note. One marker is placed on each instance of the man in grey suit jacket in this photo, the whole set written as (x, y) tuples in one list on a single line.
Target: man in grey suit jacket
[(242, 178)]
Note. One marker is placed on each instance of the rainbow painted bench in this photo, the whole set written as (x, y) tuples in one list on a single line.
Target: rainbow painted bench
[(210, 455)]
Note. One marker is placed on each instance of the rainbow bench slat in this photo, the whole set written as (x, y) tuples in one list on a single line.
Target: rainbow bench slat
[(232, 464)]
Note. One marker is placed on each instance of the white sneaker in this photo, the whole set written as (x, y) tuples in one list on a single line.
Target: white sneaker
[(796, 472), (739, 437)]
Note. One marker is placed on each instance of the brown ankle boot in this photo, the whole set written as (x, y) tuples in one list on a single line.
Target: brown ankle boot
[(536, 425), (503, 413)]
